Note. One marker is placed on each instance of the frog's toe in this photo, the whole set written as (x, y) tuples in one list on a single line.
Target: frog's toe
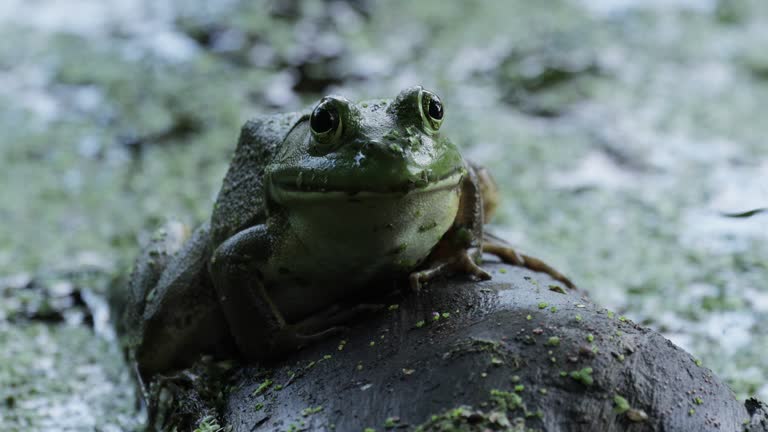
[(317, 327), (291, 338), (493, 245), (418, 278), (318, 336), (462, 263), (334, 316), (467, 265)]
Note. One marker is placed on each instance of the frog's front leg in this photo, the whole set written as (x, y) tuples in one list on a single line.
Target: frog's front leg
[(252, 318), (460, 249), (257, 325)]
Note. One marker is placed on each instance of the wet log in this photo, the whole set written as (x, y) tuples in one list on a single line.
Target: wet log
[(517, 352)]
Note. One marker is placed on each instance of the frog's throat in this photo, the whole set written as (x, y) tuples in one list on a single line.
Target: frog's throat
[(282, 195)]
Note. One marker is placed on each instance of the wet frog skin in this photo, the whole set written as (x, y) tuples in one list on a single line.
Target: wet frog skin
[(316, 208)]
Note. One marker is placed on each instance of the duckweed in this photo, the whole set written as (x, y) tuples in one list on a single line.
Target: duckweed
[(263, 387), (583, 376), (391, 422), (620, 405), (309, 411)]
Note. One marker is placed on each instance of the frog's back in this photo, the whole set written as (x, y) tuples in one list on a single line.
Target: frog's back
[(241, 201)]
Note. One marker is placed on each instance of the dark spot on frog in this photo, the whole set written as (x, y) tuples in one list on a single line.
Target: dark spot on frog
[(427, 226)]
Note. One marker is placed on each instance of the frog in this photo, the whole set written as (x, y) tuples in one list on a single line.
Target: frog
[(318, 210)]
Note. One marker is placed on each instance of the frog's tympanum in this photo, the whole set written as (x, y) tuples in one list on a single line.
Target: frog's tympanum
[(317, 210)]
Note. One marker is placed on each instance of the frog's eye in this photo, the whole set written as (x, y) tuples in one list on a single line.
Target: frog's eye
[(431, 110), (325, 122)]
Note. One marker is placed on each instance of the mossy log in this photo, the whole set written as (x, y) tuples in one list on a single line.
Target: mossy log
[(518, 352)]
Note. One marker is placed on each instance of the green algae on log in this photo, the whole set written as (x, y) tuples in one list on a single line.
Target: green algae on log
[(491, 365)]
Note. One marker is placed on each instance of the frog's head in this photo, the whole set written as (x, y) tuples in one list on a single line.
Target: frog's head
[(352, 149), (370, 186)]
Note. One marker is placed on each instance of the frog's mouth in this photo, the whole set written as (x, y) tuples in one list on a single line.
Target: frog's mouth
[(285, 189)]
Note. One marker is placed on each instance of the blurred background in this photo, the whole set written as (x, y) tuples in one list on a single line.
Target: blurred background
[(620, 132)]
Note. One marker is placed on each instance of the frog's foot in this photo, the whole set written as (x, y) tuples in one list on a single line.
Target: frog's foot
[(332, 317), (496, 246), (292, 338), (317, 327), (460, 262)]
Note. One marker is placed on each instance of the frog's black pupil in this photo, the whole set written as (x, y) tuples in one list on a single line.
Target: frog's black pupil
[(435, 109), (323, 120)]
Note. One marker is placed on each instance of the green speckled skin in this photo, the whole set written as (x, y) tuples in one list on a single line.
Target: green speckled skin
[(241, 200), (385, 149), (306, 221), (302, 224)]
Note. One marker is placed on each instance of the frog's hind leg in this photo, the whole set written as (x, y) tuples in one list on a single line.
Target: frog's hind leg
[(180, 318), (496, 246), (149, 266), (260, 330)]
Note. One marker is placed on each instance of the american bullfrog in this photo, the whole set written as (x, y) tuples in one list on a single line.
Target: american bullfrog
[(316, 208)]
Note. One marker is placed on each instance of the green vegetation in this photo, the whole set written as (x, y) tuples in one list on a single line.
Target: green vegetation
[(209, 424), (263, 387), (583, 376), (621, 405), (309, 411)]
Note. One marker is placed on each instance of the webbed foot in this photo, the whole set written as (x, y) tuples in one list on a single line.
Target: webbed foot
[(317, 327), (460, 262)]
